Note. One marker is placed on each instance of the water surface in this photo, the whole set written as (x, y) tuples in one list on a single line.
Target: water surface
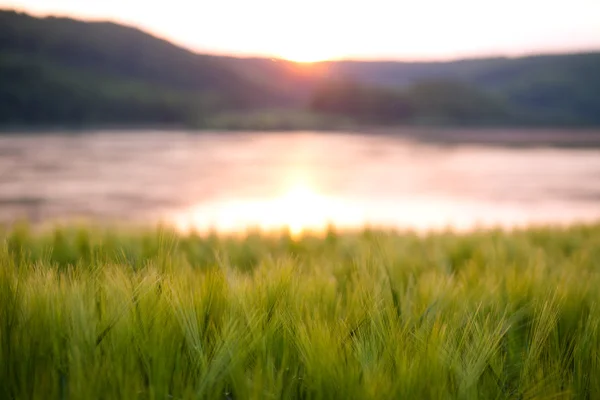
[(232, 181)]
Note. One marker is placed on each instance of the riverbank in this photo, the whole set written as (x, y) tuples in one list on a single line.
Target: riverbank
[(572, 137)]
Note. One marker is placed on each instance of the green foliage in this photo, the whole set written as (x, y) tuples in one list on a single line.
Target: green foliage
[(40, 92), (276, 120), (90, 313), (362, 103), (437, 102), (455, 103)]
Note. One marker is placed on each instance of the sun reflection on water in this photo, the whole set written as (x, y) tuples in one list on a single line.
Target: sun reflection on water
[(298, 209)]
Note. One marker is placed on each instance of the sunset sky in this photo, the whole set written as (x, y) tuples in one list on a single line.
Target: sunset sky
[(311, 30)]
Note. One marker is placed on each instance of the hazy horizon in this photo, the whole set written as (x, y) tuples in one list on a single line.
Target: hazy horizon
[(266, 28)]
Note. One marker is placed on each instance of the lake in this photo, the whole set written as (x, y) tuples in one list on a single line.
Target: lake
[(302, 180)]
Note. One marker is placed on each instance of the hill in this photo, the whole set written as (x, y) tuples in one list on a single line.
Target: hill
[(60, 71), (546, 89)]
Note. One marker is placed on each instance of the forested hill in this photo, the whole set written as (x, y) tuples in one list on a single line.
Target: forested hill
[(63, 70), (539, 90), (67, 72)]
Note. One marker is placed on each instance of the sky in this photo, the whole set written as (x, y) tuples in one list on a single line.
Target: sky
[(312, 30)]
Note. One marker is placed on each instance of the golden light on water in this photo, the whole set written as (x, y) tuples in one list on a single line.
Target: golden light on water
[(301, 208), (296, 182)]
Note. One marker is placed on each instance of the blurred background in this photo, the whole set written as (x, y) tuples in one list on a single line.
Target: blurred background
[(234, 115)]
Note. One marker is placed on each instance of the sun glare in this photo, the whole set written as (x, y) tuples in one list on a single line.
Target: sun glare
[(301, 208), (298, 209), (303, 57), (306, 53)]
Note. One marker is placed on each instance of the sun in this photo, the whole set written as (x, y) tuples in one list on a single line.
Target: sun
[(303, 58), (299, 44), (305, 53)]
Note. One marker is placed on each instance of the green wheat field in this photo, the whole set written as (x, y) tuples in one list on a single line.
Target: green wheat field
[(109, 313)]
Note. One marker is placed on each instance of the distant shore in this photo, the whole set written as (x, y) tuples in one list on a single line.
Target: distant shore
[(555, 137), (501, 136)]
